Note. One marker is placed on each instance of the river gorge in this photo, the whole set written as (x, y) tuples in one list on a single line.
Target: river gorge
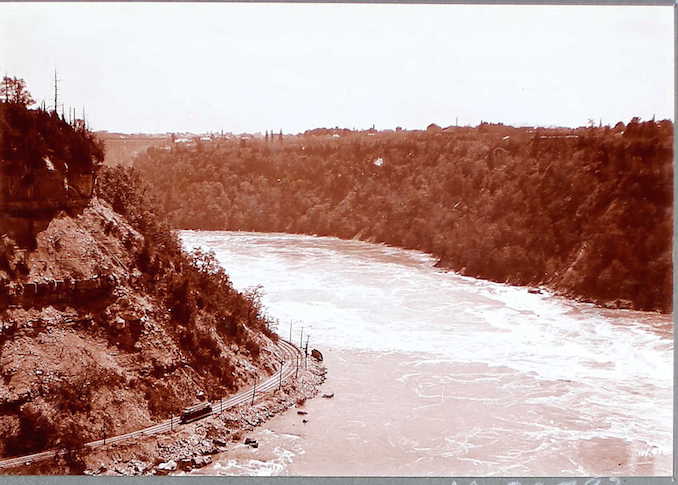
[(439, 374)]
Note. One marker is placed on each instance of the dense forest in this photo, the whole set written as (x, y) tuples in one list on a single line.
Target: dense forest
[(586, 211), (27, 136)]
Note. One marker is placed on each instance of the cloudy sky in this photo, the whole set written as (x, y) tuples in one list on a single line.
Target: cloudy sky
[(153, 67)]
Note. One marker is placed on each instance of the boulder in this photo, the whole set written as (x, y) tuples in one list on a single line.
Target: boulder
[(166, 467), (210, 447), (302, 413), (315, 353), (201, 461), (219, 442), (329, 395), (139, 467), (621, 303)]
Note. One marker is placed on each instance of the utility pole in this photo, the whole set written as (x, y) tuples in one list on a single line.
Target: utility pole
[(171, 420), (290, 320), (296, 372), (301, 338), (281, 369), (306, 349), (254, 391), (56, 91)]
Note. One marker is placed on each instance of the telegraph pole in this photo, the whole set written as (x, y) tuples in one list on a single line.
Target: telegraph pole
[(281, 369), (290, 320), (56, 91), (254, 391), (301, 338)]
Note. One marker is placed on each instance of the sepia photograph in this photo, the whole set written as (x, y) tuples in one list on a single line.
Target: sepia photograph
[(336, 239)]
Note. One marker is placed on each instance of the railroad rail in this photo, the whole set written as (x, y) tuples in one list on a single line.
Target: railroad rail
[(290, 352)]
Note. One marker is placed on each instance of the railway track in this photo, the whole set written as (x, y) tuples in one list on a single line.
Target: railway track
[(289, 352)]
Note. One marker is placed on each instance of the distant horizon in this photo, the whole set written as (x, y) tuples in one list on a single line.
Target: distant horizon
[(275, 132), (243, 68)]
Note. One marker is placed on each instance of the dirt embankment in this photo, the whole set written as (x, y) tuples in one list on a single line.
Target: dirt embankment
[(81, 358)]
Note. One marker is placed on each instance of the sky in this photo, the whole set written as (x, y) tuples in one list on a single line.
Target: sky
[(207, 67)]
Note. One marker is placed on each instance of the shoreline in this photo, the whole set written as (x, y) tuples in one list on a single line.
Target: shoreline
[(441, 264), (190, 446)]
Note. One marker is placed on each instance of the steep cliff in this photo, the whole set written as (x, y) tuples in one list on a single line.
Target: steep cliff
[(106, 325)]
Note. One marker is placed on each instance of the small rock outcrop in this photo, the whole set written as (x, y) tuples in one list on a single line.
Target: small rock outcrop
[(315, 353), (166, 467)]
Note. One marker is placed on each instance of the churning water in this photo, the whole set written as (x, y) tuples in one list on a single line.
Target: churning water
[(439, 374)]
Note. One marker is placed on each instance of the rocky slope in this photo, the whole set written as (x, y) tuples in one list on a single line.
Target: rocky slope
[(77, 363), (106, 325)]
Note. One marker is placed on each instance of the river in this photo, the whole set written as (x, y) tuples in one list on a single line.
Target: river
[(444, 375)]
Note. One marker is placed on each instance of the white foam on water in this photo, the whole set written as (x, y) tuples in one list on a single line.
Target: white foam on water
[(616, 365)]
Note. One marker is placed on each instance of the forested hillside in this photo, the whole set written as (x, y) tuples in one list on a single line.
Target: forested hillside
[(587, 212)]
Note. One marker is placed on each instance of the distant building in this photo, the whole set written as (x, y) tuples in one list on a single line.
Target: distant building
[(433, 128)]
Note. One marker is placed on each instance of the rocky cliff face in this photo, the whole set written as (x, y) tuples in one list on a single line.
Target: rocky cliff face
[(106, 326), (85, 349)]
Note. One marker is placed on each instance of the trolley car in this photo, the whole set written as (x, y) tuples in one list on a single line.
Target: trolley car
[(193, 413)]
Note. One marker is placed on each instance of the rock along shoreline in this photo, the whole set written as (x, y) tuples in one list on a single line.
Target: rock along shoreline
[(194, 445)]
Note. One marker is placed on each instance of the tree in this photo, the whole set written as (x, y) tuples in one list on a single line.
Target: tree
[(13, 90)]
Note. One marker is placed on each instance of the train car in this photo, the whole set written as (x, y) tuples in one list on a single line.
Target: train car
[(196, 412)]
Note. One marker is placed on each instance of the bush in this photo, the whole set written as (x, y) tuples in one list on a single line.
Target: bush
[(193, 286)]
